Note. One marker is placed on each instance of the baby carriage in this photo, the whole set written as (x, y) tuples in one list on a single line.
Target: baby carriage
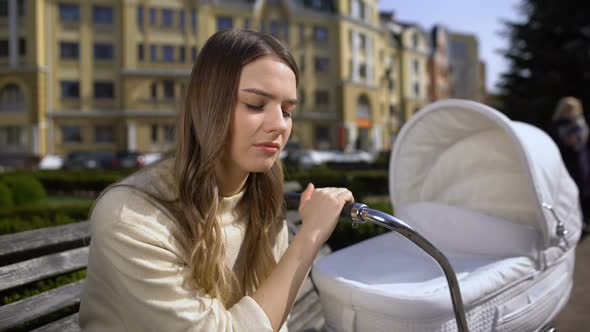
[(494, 196)]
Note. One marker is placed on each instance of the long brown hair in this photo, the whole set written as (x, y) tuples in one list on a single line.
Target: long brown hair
[(203, 130)]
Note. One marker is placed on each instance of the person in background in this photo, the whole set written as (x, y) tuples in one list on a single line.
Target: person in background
[(197, 241), (570, 131)]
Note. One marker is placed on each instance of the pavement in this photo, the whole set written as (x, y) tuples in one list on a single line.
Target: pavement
[(576, 314)]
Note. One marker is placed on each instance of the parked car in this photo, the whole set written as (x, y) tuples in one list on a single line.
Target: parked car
[(127, 159), (335, 158), (51, 161), (17, 160), (89, 160), (150, 158)]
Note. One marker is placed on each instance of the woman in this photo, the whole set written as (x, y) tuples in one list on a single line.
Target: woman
[(570, 131), (195, 243)]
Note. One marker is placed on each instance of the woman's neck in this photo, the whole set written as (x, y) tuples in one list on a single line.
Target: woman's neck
[(230, 180)]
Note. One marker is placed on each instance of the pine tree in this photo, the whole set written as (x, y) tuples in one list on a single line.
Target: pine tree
[(549, 58)]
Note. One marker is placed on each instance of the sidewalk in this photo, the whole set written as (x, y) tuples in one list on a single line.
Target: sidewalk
[(575, 316)]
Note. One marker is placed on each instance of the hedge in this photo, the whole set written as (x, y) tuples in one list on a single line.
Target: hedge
[(6, 201), (25, 188)]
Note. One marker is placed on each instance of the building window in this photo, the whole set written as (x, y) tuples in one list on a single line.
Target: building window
[(322, 64), (181, 54), (11, 136), (194, 19), (417, 89), (194, 54), (154, 134), (104, 134), (362, 41), (322, 97), (152, 17), (3, 48), (70, 89), (224, 23), (302, 63), (140, 55), (301, 33), (71, 134), (12, 99), (22, 46), (262, 27), (246, 23), (69, 50), (169, 132), (320, 34), (391, 83), (168, 53), (167, 19), (154, 90), (286, 32), (274, 28), (69, 13), (104, 90), (363, 70), (103, 51), (22, 7), (416, 65), (392, 111), (168, 89), (102, 15), (153, 53), (415, 40), (322, 135), (181, 20), (362, 11), (140, 16), (301, 98)]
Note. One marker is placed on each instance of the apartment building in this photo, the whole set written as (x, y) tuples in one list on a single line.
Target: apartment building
[(111, 74)]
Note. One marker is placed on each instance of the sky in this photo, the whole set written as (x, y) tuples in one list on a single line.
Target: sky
[(481, 18)]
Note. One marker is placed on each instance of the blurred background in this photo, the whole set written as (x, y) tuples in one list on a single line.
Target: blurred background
[(96, 85)]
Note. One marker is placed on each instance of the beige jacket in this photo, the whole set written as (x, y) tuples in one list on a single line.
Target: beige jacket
[(136, 278)]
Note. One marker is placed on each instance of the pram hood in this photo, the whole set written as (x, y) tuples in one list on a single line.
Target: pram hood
[(467, 155)]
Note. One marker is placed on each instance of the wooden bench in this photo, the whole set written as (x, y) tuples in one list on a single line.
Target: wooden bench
[(33, 256)]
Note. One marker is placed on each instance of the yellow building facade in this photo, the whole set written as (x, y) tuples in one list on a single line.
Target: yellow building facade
[(110, 75)]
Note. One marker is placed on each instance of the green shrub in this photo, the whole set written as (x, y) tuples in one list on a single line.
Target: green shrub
[(41, 286), (25, 189), (24, 218), (6, 201)]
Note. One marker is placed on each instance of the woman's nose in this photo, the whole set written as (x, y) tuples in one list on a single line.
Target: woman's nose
[(276, 121)]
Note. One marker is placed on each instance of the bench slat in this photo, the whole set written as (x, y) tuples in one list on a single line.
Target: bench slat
[(18, 313), (43, 267), (66, 324), (39, 240), (308, 312)]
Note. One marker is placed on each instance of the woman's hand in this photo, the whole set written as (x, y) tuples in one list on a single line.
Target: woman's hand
[(320, 209)]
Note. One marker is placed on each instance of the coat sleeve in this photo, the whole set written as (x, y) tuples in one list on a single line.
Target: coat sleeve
[(136, 276)]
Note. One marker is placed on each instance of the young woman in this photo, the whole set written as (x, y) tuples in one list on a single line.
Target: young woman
[(197, 242), (570, 131)]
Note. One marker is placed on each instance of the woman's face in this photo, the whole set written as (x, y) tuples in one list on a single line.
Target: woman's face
[(261, 122)]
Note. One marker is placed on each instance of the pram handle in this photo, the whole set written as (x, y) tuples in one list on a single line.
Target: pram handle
[(360, 213)]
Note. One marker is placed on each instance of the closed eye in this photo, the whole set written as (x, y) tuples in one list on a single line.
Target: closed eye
[(254, 107)]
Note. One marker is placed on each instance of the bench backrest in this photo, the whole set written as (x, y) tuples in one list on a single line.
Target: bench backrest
[(30, 257)]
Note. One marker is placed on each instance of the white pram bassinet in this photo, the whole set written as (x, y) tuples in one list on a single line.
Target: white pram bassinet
[(473, 183)]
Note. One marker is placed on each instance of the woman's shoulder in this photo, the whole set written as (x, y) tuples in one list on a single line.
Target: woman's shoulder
[(127, 205)]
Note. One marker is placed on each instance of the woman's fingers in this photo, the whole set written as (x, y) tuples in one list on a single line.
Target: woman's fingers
[(306, 194)]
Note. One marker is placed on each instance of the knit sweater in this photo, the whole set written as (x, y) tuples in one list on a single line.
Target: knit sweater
[(137, 268)]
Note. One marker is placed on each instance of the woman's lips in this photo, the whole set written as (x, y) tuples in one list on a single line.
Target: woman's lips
[(268, 147)]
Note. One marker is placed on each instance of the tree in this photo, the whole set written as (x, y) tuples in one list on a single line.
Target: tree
[(549, 57)]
